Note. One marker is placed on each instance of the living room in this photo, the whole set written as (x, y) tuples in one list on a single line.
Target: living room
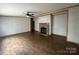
[(39, 28)]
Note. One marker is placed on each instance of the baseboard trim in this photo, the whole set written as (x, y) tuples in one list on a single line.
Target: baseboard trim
[(74, 43), (58, 35), (13, 34)]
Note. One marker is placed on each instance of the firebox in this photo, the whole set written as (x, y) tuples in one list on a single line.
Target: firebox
[(43, 30)]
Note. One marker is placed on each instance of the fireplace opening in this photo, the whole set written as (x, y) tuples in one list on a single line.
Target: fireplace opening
[(43, 30)]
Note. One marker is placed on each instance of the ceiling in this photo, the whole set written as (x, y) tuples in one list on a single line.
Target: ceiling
[(19, 9)]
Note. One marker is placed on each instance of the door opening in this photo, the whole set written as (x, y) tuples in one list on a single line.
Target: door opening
[(32, 25)]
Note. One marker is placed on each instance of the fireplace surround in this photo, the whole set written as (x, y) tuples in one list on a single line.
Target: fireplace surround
[(44, 28)]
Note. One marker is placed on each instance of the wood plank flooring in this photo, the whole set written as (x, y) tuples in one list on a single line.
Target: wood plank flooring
[(36, 44)]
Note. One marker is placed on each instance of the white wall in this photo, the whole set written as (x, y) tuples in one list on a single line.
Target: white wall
[(43, 19), (36, 24), (13, 25), (60, 24), (73, 25)]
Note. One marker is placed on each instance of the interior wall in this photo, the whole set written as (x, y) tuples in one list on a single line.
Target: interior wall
[(73, 25), (43, 19), (13, 25), (36, 24), (60, 24)]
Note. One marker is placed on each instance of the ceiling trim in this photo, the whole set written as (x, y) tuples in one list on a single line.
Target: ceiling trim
[(57, 12)]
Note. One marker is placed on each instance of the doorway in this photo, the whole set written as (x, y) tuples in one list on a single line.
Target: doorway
[(32, 25)]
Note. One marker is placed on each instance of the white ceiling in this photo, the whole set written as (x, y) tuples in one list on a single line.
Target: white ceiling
[(18, 9)]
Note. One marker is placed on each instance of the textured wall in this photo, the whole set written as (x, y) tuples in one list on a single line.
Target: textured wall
[(73, 25), (60, 24), (13, 25)]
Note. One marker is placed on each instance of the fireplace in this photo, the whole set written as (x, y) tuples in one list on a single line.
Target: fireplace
[(44, 28)]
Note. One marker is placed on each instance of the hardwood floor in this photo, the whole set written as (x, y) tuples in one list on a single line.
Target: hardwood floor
[(36, 44)]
